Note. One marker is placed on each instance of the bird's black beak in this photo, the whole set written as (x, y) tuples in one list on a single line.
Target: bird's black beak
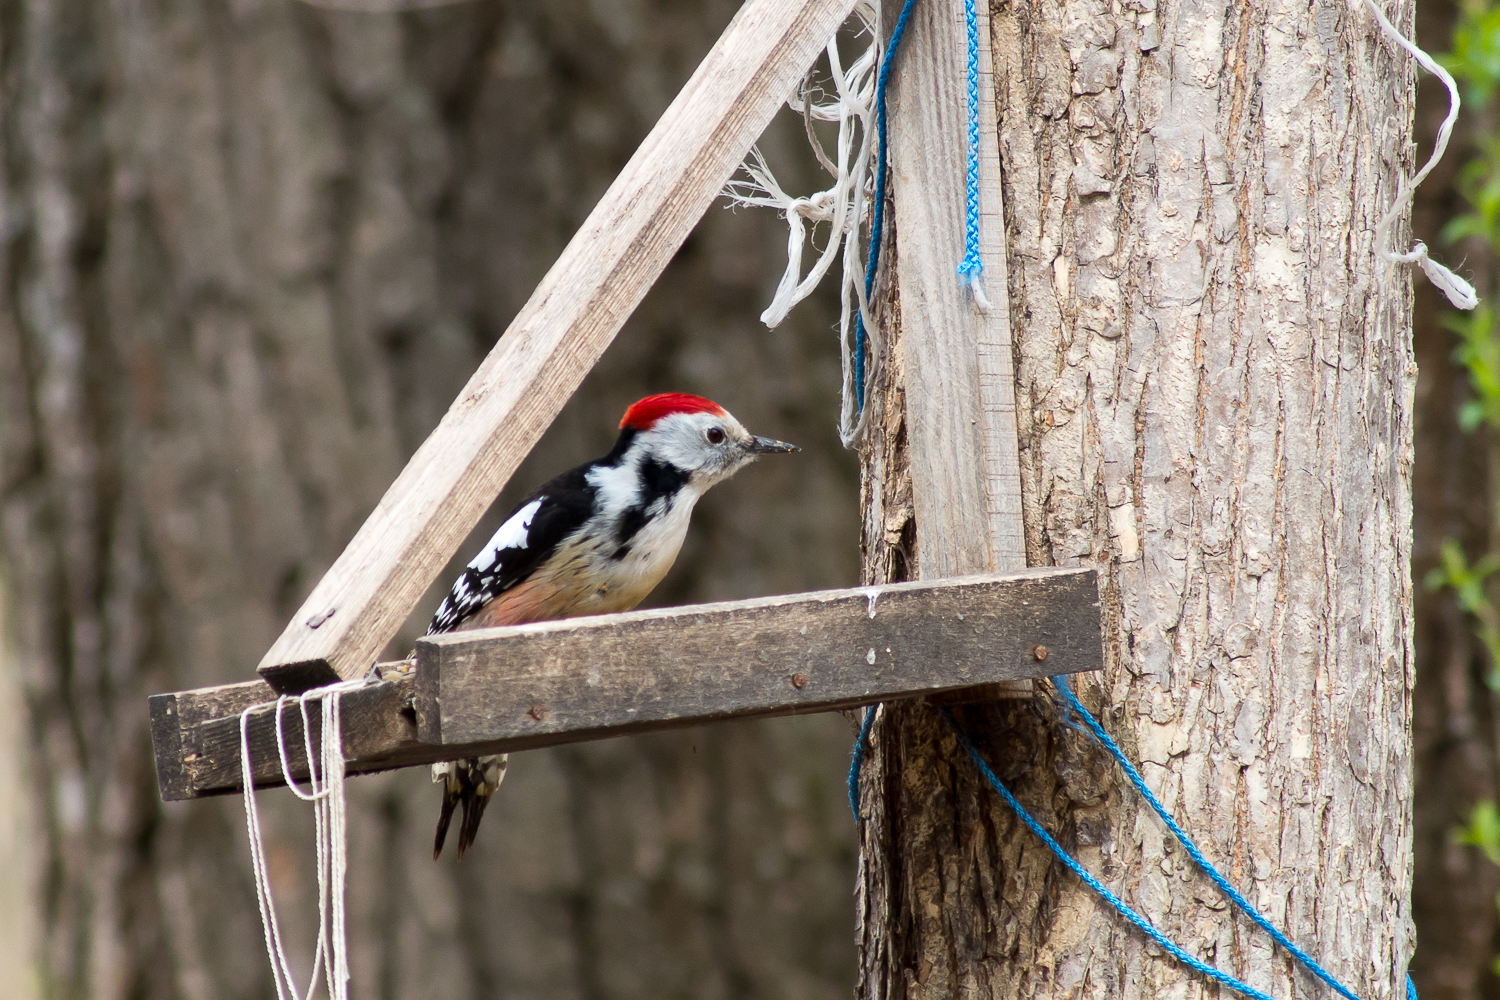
[(766, 446)]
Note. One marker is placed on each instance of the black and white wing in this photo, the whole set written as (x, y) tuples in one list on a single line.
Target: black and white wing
[(529, 536)]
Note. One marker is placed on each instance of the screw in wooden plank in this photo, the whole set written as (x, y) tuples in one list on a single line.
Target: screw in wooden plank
[(538, 712), (799, 680), (1040, 652)]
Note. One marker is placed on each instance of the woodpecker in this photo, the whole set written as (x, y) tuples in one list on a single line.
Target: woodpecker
[(591, 541)]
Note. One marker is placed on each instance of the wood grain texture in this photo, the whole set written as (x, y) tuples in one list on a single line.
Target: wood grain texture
[(550, 346), (550, 683), (173, 715), (997, 376), (960, 388), (379, 730), (767, 656)]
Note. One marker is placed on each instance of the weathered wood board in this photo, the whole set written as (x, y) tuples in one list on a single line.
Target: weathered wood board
[(197, 735), (183, 714), (527, 686), (773, 655), (960, 385), (553, 342)]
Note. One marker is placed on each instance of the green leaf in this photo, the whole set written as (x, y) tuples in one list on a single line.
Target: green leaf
[(1478, 351), (1482, 831), (1475, 59)]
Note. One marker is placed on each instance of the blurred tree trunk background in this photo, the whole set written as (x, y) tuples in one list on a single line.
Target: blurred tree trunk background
[(251, 251), (1456, 487)]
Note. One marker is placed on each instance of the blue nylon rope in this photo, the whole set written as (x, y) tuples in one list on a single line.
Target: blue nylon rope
[(971, 269), (1119, 904), (1202, 862), (972, 266), (858, 763), (877, 218)]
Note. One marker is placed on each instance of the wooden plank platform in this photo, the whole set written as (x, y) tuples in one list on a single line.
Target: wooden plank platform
[(549, 683)]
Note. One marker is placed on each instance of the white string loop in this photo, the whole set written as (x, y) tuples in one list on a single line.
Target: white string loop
[(325, 789), (841, 207), (1458, 291)]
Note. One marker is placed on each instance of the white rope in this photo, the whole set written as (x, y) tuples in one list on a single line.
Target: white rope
[(325, 789), (1459, 291), (842, 206)]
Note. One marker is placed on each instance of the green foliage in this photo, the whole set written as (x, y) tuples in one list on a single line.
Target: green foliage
[(1468, 583), (1475, 62), (1475, 59), (1483, 831), (1479, 183), (1478, 351)]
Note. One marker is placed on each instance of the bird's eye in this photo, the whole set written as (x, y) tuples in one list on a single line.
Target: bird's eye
[(715, 435)]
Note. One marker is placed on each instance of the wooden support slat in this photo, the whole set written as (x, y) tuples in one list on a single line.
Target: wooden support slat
[(771, 655), (997, 377), (553, 342), (183, 713), (198, 752), (960, 387), (498, 690)]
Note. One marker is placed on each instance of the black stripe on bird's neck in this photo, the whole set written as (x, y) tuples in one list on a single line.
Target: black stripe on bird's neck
[(660, 481), (622, 445)]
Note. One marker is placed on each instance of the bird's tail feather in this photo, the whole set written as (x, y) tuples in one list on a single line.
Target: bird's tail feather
[(450, 801), (474, 804)]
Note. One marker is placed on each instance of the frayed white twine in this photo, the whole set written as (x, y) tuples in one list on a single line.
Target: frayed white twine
[(841, 206), (326, 792), (1459, 291)]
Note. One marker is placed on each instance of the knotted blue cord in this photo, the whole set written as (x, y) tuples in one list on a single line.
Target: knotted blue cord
[(858, 763), (971, 269), (877, 217)]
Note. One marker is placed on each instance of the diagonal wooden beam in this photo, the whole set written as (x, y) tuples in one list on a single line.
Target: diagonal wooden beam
[(498, 690), (557, 337)]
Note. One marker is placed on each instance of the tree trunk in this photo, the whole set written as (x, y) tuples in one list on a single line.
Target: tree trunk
[(1214, 384), (251, 252)]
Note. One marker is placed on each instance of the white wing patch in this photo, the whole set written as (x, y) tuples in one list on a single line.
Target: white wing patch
[(510, 535), (619, 487), (476, 584)]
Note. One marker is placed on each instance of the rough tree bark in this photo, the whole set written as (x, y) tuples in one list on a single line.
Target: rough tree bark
[(251, 251), (1215, 396)]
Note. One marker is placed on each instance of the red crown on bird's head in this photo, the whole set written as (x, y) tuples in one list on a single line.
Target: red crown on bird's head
[(643, 414)]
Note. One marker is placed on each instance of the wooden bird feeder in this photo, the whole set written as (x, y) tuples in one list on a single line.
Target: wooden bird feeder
[(977, 617)]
